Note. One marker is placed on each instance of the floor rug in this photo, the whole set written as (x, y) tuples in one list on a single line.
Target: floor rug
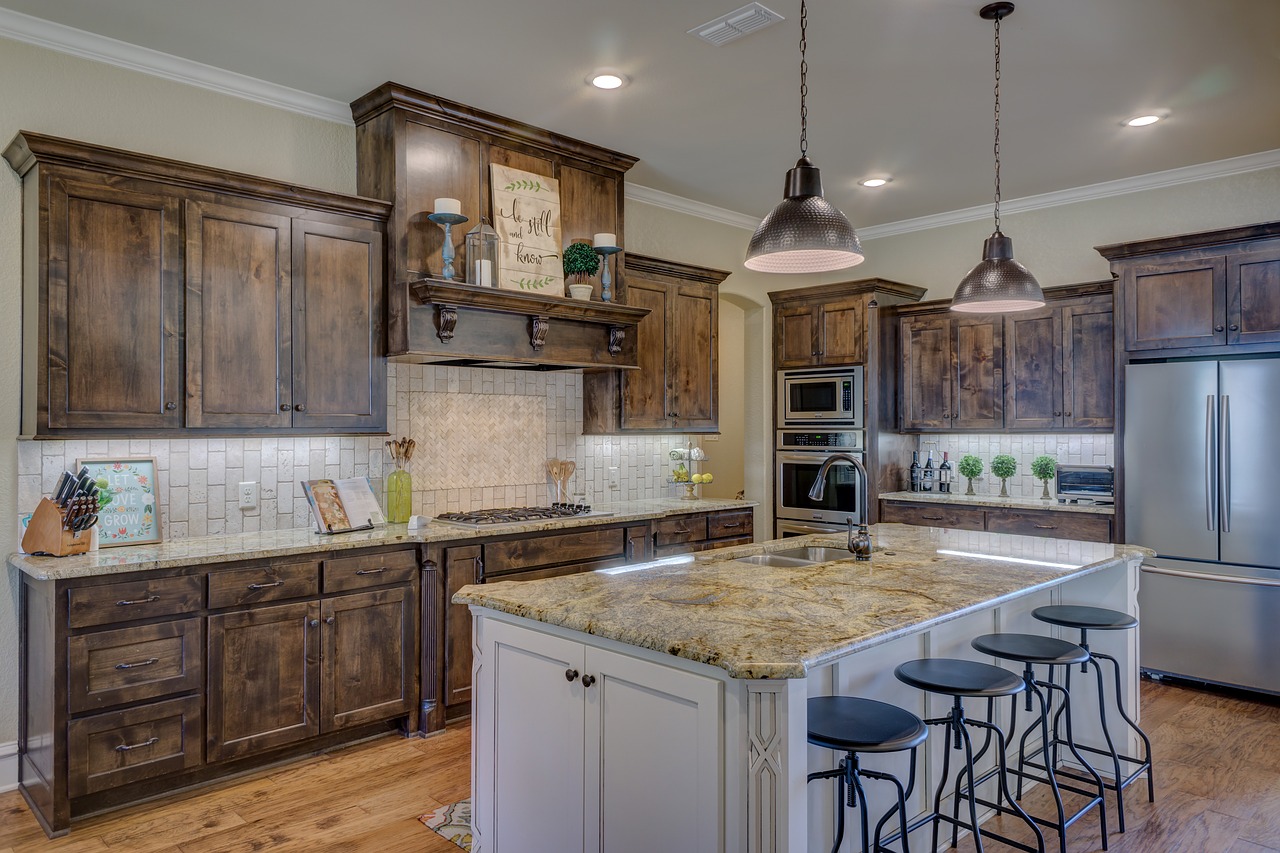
[(452, 823)]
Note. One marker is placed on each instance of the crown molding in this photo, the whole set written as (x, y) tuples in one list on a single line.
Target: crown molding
[(86, 45), (680, 204)]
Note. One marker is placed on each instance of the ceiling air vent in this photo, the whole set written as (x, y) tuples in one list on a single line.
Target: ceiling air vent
[(736, 24)]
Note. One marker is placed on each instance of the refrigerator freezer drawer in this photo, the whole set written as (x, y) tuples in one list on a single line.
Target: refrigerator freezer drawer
[(1203, 622)]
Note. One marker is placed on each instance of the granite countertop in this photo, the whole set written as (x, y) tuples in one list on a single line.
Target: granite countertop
[(203, 550), (991, 500), (765, 622)]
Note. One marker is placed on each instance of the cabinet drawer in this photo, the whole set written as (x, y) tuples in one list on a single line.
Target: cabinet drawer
[(933, 515), (264, 583), (120, 747), (726, 524), (560, 571), (122, 602), (344, 573), (682, 528), (128, 664), (577, 547), (1056, 525)]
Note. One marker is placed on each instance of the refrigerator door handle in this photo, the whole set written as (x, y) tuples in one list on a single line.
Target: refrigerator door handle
[(1210, 455), (1205, 576), (1224, 463)]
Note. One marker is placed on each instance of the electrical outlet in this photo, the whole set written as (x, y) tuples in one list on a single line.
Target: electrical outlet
[(615, 480), (249, 495)]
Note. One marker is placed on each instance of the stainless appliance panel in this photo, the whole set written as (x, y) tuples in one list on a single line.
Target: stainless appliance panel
[(1170, 458), (1249, 418), (829, 397), (1211, 622), (794, 475), (824, 441)]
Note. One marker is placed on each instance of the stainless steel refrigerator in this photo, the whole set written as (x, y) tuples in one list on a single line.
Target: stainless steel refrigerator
[(1201, 480)]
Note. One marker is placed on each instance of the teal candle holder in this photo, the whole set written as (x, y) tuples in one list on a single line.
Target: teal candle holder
[(447, 221), (605, 252)]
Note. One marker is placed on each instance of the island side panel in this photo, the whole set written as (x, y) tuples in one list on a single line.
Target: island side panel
[(774, 758)]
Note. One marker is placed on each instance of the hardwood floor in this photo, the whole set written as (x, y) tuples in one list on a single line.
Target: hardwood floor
[(1217, 791)]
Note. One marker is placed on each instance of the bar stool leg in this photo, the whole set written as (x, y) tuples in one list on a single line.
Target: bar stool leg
[(954, 719), (839, 775), (900, 808), (1071, 745), (1111, 747), (1002, 777), (970, 769), (973, 800), (1146, 741), (855, 777)]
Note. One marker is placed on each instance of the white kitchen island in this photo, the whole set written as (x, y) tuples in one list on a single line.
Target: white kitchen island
[(663, 708)]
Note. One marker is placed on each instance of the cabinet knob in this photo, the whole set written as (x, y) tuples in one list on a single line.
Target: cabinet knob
[(329, 620), (1057, 414), (170, 406), (301, 407), (314, 623), (1066, 414), (588, 680), (570, 675), (1217, 328), (1235, 327), (284, 407)]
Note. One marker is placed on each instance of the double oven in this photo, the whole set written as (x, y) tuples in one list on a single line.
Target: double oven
[(820, 412)]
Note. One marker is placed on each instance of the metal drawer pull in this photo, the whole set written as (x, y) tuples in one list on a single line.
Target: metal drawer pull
[(148, 600), (147, 662), (265, 585), (370, 571), (328, 620), (1046, 526), (1205, 576), (125, 747), (932, 517), (733, 526)]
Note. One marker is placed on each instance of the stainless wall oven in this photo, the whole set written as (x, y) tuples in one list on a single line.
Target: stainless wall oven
[(798, 458), (829, 398)]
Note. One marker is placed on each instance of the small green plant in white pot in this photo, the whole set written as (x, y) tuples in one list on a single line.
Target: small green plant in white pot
[(1004, 466), (1044, 469), (970, 467)]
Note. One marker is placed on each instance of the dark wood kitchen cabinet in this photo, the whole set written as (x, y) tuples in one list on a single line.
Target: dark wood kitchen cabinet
[(1048, 523), (952, 373), (676, 388), (251, 305), (827, 325)]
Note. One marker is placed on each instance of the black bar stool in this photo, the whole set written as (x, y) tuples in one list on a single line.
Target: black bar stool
[(852, 726), (960, 679), (1101, 619), (1031, 650)]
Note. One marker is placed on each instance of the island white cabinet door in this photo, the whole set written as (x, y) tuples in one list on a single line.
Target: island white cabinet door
[(653, 736)]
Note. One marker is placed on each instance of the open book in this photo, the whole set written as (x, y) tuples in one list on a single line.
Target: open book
[(340, 505)]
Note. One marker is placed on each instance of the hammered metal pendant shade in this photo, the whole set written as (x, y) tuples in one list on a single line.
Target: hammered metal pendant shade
[(805, 232), (998, 284)]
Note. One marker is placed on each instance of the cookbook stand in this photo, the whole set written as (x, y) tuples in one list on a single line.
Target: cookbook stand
[(47, 534), (329, 531)]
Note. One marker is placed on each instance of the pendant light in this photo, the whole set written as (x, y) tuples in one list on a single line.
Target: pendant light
[(805, 233), (998, 284)]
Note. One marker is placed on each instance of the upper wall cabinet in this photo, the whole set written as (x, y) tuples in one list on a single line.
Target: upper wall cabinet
[(1198, 292), (827, 325), (165, 297), (413, 148)]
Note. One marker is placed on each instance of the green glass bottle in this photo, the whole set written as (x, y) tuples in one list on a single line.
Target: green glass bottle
[(399, 496)]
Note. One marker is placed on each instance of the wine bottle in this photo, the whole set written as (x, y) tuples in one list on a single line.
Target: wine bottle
[(944, 474), (928, 475), (915, 470)]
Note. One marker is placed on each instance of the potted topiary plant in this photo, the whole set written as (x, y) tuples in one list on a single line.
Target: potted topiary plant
[(970, 467), (1044, 469), (1004, 466), (580, 263)]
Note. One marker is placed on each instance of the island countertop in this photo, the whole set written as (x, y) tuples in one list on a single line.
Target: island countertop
[(778, 623)]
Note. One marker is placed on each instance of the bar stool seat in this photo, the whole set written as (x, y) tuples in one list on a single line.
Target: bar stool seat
[(852, 724), (1030, 648), (1081, 616), (959, 677)]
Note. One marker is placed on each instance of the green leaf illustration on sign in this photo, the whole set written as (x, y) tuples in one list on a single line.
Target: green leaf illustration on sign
[(533, 186)]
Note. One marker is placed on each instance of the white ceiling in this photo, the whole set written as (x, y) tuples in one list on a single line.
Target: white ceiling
[(901, 87)]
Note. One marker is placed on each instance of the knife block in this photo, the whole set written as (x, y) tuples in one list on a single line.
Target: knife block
[(46, 534)]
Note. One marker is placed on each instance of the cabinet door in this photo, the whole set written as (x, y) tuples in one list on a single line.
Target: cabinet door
[(462, 566), (534, 719), (647, 722), (368, 658), (978, 365), (1175, 304), (114, 324), (841, 339), (644, 391), (795, 336), (1033, 394), (1253, 297), (1088, 367), (638, 544), (264, 678), (926, 373), (339, 373), (692, 366), (239, 359), (589, 206)]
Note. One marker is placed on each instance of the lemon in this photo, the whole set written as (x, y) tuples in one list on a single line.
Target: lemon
[(706, 478)]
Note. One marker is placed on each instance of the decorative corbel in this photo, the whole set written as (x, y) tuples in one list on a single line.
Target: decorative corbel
[(616, 334), (538, 331), (446, 319)]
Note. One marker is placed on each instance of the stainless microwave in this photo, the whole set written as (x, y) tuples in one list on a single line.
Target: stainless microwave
[(831, 396)]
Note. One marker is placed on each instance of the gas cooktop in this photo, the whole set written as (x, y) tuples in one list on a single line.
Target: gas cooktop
[(518, 514)]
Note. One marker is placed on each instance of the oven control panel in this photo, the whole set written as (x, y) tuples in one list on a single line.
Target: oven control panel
[(791, 439)]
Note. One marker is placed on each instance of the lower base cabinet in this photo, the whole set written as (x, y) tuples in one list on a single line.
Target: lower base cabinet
[(626, 721), (1053, 524)]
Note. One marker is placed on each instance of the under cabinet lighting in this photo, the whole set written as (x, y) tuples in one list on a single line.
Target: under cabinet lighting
[(1020, 560)]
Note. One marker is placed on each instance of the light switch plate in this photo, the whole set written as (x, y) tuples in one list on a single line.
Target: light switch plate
[(615, 481), (249, 495)]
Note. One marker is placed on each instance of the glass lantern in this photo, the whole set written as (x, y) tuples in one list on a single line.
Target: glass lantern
[(482, 255)]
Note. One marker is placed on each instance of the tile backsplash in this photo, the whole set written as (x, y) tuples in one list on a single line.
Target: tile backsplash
[(483, 436), (1067, 448)]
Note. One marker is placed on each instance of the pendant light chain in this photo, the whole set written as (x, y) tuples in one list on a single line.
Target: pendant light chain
[(804, 80), (997, 115)]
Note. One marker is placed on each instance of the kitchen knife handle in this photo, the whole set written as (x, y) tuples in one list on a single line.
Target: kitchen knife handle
[(1210, 453), (1224, 462)]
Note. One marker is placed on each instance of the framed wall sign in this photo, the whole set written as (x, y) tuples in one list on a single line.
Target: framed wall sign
[(128, 510), (526, 210)]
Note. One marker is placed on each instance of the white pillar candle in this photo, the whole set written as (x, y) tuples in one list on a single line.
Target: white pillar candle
[(607, 241), (448, 205), (484, 272)]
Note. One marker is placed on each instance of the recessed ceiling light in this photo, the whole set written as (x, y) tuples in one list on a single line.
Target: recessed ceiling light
[(872, 183), (1143, 120), (607, 80)]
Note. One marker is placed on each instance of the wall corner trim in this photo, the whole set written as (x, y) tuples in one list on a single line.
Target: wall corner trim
[(8, 766)]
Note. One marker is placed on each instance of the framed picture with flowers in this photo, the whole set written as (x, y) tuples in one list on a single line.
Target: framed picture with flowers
[(128, 509)]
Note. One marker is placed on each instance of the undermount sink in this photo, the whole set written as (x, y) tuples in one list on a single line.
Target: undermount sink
[(774, 560), (815, 554)]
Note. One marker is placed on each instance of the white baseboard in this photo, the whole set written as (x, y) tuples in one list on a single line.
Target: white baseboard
[(8, 766)]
